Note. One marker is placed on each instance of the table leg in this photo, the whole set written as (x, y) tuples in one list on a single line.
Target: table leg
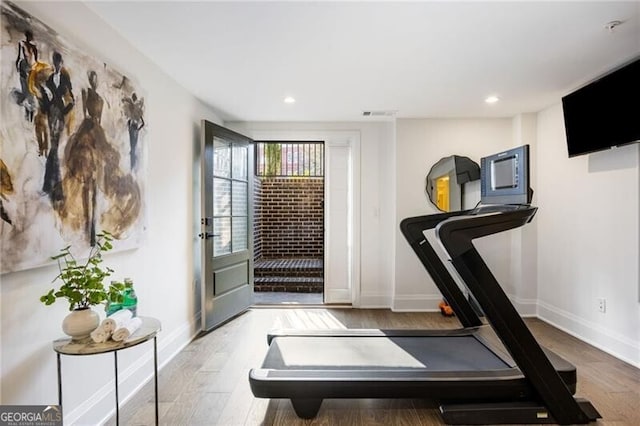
[(115, 359), (59, 380), (155, 369)]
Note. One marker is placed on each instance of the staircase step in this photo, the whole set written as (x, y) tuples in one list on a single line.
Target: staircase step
[(302, 280), (289, 268), (286, 273), (293, 284), (289, 264)]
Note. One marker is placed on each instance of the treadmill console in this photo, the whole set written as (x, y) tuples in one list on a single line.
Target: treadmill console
[(504, 177)]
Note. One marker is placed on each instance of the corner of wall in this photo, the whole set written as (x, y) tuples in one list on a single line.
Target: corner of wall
[(393, 213)]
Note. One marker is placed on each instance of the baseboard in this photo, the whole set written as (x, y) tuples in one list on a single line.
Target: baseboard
[(374, 301), (100, 407), (430, 302), (606, 340), (525, 307), (416, 303)]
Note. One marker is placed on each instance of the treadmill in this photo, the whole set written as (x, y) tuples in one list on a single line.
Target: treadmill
[(492, 373)]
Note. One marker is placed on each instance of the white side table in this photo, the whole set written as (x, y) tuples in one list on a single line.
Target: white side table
[(147, 331)]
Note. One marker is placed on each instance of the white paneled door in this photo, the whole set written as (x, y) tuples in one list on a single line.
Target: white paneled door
[(341, 260)]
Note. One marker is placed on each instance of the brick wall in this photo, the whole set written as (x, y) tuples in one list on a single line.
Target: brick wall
[(289, 218)]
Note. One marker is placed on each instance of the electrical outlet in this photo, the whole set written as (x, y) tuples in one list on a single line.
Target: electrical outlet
[(602, 305)]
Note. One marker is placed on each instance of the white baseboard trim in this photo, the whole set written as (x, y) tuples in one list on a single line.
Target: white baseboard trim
[(525, 307), (430, 302), (416, 303), (100, 407), (606, 340), (374, 301)]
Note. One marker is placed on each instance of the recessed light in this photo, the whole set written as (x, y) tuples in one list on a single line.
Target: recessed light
[(289, 100), (492, 99)]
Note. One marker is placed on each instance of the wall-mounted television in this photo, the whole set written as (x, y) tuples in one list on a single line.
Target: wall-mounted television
[(604, 113), (504, 177)]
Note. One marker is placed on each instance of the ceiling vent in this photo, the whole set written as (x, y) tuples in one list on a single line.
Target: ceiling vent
[(389, 113)]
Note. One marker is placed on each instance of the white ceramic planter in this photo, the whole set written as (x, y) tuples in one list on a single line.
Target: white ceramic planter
[(80, 323)]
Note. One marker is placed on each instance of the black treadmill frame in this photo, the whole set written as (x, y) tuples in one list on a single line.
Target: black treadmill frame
[(538, 376), (456, 235), (413, 230), (308, 387)]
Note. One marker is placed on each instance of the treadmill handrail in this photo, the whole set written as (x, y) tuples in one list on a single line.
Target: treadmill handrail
[(413, 230), (461, 230)]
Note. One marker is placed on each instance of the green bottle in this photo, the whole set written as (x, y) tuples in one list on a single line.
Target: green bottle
[(130, 299), (112, 307)]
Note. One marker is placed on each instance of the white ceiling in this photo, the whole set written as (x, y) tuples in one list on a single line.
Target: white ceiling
[(422, 59)]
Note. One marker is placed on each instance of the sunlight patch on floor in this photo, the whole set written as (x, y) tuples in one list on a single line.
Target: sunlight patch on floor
[(316, 319)]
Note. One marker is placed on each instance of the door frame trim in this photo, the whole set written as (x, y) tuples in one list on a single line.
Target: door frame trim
[(333, 137)]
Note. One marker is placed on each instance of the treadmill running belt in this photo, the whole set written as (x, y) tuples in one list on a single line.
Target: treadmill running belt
[(459, 353)]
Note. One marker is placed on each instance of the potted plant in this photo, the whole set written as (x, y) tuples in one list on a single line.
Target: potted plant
[(83, 287)]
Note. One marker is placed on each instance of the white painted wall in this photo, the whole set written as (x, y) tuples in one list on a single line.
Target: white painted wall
[(162, 267), (420, 144), (375, 219), (588, 242)]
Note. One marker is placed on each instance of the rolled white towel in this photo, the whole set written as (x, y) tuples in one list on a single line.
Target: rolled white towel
[(100, 335), (116, 320), (127, 329)]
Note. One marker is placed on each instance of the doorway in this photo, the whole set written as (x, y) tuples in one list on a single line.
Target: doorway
[(288, 232)]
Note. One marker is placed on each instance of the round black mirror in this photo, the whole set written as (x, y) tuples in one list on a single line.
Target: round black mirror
[(446, 179)]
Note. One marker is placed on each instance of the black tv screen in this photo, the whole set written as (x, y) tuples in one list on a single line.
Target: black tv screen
[(605, 112)]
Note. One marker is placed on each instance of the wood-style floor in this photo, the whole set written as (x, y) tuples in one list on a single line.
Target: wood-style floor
[(207, 383)]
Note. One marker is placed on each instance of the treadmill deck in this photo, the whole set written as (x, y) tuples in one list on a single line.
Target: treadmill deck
[(438, 353), (467, 363)]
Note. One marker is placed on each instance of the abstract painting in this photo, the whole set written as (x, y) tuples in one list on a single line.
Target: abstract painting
[(72, 149)]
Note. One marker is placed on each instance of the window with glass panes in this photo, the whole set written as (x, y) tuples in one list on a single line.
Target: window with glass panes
[(230, 188)]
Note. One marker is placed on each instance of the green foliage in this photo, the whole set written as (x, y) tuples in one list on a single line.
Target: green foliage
[(83, 283), (273, 158)]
